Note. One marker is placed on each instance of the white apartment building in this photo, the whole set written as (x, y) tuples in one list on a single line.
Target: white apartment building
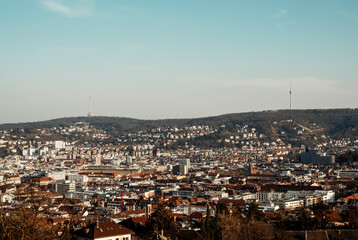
[(291, 204), (269, 196), (328, 196)]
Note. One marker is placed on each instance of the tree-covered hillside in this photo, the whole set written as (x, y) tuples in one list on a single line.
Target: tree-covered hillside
[(316, 124)]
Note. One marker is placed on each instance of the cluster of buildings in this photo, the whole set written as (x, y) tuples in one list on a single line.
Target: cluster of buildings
[(124, 181)]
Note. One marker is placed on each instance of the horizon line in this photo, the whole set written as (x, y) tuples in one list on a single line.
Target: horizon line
[(161, 119)]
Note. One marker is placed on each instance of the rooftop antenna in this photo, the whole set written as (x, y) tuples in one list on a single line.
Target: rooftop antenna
[(291, 95), (90, 107)]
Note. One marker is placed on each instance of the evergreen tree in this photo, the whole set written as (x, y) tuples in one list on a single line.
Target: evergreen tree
[(304, 220), (279, 228), (158, 222), (207, 230), (254, 212)]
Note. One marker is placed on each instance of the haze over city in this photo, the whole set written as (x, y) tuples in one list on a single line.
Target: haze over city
[(175, 59)]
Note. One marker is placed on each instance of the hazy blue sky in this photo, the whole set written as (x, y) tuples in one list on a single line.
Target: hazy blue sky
[(155, 59)]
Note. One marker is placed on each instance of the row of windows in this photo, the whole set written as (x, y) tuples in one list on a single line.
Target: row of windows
[(125, 238)]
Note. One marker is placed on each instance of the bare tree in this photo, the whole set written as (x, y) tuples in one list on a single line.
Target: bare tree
[(240, 227), (23, 221)]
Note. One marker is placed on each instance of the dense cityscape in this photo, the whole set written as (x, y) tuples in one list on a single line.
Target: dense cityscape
[(80, 182)]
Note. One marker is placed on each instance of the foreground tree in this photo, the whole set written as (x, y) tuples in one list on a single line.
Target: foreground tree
[(303, 219), (24, 221), (254, 212), (158, 222), (206, 226), (238, 224), (279, 228), (320, 212), (24, 224)]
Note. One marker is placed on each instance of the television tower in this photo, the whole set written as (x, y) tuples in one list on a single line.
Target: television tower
[(291, 95), (90, 107)]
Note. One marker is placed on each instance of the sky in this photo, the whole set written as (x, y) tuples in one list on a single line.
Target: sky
[(155, 59)]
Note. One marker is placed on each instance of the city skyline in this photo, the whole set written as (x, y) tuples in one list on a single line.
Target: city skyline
[(177, 59)]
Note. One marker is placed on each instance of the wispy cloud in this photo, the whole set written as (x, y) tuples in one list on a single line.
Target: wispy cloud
[(56, 7), (73, 8), (282, 17), (280, 14)]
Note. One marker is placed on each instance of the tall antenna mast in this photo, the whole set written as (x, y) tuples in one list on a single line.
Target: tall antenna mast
[(291, 95), (90, 107)]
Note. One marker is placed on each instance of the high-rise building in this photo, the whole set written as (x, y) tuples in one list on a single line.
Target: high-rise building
[(129, 160), (65, 186), (314, 157), (183, 167), (99, 159), (185, 161), (60, 145)]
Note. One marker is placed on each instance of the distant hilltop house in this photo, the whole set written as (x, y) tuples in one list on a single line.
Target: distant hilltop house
[(314, 157)]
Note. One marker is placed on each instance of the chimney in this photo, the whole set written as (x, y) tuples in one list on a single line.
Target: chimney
[(148, 210)]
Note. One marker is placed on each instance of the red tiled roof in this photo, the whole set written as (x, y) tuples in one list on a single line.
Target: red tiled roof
[(43, 179), (334, 217), (142, 220), (140, 211), (351, 197), (176, 214), (235, 201), (103, 230)]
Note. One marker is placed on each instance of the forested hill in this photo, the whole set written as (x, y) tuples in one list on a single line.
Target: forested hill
[(333, 122)]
